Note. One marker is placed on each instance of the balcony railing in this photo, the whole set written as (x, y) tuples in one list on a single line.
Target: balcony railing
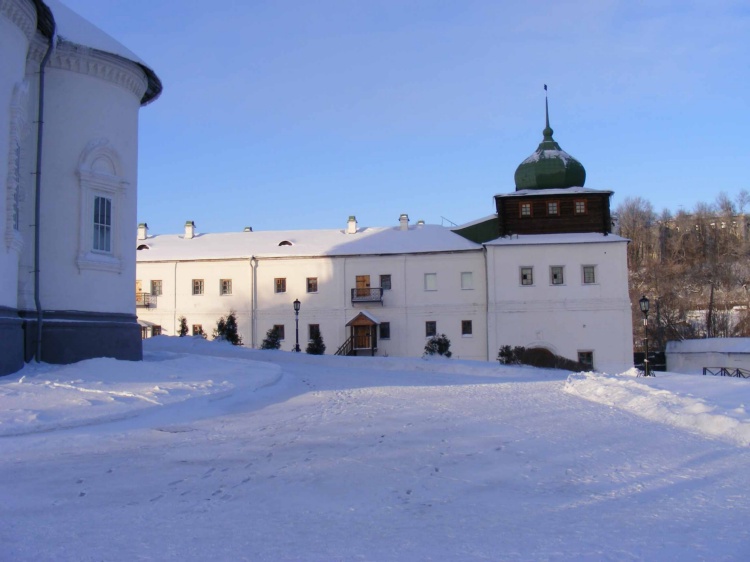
[(145, 300), (368, 294)]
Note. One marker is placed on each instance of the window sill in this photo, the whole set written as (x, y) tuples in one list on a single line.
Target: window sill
[(99, 262)]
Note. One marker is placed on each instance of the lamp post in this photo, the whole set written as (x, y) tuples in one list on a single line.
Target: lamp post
[(644, 304), (296, 323)]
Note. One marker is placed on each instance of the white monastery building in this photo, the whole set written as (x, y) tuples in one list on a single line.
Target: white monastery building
[(544, 271), (69, 102)]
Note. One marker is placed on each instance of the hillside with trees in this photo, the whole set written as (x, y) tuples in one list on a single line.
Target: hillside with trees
[(692, 265)]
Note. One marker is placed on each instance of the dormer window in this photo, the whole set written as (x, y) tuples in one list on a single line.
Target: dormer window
[(142, 247), (285, 243), (524, 209)]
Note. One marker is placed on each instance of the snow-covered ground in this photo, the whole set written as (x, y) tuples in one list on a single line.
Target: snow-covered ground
[(207, 451)]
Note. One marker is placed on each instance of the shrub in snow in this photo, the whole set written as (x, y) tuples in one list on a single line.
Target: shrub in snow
[(226, 329), (438, 345), (183, 330), (271, 340), (316, 345), (510, 355), (537, 357)]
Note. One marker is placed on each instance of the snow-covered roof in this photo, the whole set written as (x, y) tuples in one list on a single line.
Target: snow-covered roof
[(560, 191), (304, 243), (72, 28), (572, 238), (717, 345), (477, 221)]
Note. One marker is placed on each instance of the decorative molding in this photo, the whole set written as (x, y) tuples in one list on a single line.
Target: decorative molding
[(92, 62), (15, 192), (22, 14), (99, 172)]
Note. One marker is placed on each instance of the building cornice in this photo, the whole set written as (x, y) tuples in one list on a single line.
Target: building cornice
[(22, 14), (84, 60)]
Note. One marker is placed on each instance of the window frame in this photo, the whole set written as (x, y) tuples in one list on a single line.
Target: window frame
[(552, 269), (470, 276), (521, 280), (430, 328), (279, 285), (594, 276), (309, 282), (154, 291), (281, 331), (464, 332), (556, 212), (311, 328), (577, 204), (198, 288), (523, 205), (225, 287), (383, 278), (101, 242), (387, 334), (433, 277), (589, 362)]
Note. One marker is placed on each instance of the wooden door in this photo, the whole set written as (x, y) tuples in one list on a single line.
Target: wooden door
[(361, 337), (363, 285)]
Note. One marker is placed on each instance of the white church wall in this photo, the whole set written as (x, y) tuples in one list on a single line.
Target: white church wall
[(98, 158), (17, 24)]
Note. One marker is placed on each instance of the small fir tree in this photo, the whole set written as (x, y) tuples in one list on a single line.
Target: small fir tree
[(226, 329), (271, 340), (183, 330), (316, 345), (438, 345)]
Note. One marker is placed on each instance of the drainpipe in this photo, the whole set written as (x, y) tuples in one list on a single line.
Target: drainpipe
[(37, 203), (254, 279), (486, 301), (174, 306)]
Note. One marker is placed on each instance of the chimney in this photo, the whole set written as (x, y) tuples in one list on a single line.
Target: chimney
[(404, 221), (351, 225), (248, 229), (189, 230), (420, 223), (142, 231)]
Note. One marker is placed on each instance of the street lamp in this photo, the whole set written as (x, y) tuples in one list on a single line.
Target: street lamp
[(644, 304), (296, 323)]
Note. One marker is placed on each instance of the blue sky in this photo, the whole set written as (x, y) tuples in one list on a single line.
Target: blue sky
[(297, 114)]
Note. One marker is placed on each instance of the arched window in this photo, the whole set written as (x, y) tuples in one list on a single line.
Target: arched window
[(101, 192)]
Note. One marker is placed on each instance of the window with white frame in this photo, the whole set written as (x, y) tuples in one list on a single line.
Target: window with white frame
[(430, 281), (102, 225), (467, 280), (580, 207), (556, 275), (225, 287), (156, 288), (527, 275), (524, 210), (589, 274), (197, 286), (103, 193), (553, 208)]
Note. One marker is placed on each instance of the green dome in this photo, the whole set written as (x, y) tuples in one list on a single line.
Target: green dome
[(550, 167)]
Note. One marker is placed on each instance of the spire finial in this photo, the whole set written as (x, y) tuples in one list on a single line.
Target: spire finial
[(547, 130)]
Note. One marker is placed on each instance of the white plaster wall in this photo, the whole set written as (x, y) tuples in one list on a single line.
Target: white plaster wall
[(565, 318), (13, 48), (79, 109), (694, 362)]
